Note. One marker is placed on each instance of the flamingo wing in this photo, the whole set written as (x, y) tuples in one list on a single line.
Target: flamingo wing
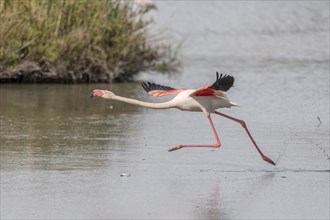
[(159, 90), (203, 91), (222, 84)]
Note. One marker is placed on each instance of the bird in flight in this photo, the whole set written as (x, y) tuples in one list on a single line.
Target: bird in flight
[(206, 99)]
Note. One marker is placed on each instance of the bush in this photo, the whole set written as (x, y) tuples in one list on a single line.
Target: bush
[(78, 41)]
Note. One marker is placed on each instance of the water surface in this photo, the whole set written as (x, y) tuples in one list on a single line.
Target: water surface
[(62, 154)]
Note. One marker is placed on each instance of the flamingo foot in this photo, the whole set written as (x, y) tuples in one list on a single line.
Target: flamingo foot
[(267, 159), (175, 148), (217, 145)]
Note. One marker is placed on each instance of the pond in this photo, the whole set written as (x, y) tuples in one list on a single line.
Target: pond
[(65, 156)]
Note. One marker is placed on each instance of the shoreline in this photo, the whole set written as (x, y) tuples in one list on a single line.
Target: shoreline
[(43, 72)]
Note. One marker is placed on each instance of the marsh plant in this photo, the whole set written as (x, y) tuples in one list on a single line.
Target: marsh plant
[(79, 41)]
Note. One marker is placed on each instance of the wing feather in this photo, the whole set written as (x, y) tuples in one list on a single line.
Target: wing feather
[(159, 90), (203, 91), (223, 82)]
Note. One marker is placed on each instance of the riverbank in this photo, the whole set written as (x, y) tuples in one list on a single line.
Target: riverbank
[(79, 42), (44, 72)]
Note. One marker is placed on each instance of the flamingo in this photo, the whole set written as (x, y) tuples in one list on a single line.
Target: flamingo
[(205, 99)]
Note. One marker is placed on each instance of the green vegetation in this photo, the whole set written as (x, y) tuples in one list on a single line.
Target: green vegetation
[(78, 41)]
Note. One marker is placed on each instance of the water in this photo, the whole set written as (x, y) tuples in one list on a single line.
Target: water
[(62, 154)]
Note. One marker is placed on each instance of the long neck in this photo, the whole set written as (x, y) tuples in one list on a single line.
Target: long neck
[(162, 105)]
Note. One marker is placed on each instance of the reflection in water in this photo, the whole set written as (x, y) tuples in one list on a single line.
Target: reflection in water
[(53, 126), (211, 207), (215, 205)]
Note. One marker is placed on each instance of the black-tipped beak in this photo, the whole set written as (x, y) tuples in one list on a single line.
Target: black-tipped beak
[(92, 95)]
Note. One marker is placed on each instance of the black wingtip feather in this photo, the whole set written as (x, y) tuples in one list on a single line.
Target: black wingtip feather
[(148, 86), (223, 82), (144, 86)]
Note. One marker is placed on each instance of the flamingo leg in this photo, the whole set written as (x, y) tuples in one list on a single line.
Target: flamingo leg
[(217, 145), (265, 158)]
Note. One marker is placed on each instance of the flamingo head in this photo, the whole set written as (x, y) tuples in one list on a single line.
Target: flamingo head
[(102, 93)]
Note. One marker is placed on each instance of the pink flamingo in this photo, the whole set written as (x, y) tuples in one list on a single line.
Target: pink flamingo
[(205, 99)]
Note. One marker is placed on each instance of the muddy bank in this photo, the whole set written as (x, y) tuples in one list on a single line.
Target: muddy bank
[(45, 72)]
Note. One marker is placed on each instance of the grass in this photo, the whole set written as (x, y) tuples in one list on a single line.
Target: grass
[(83, 40)]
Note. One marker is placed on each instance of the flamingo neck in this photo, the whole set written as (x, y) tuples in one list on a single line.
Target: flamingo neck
[(162, 105)]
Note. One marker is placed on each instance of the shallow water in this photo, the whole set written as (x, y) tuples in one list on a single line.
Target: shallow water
[(62, 154)]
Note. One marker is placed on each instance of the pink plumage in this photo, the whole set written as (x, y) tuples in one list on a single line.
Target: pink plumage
[(206, 99)]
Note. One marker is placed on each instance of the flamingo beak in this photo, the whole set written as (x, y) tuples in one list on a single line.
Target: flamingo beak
[(92, 95)]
